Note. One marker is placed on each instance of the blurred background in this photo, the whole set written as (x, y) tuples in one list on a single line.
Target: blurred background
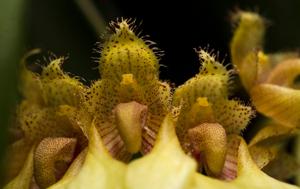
[(72, 28)]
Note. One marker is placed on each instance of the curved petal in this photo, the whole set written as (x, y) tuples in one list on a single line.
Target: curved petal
[(15, 157), (280, 103), (31, 86), (285, 73), (24, 178), (269, 142), (274, 132), (248, 35), (247, 39)]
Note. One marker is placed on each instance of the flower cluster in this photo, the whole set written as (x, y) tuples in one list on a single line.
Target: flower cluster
[(131, 130)]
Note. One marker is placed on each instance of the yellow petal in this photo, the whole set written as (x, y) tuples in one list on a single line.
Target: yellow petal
[(279, 103), (285, 73), (246, 52), (30, 82), (267, 62), (24, 178), (269, 142), (167, 166), (248, 70), (250, 176), (99, 170), (15, 157), (31, 87), (272, 131), (248, 37)]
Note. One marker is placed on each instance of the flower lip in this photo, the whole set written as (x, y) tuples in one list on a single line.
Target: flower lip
[(130, 120)]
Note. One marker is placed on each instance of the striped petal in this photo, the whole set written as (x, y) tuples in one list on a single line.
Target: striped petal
[(279, 103)]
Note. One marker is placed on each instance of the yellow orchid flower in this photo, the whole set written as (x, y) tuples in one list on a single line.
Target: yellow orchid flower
[(266, 76), (271, 80), (128, 102), (207, 115), (50, 117)]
